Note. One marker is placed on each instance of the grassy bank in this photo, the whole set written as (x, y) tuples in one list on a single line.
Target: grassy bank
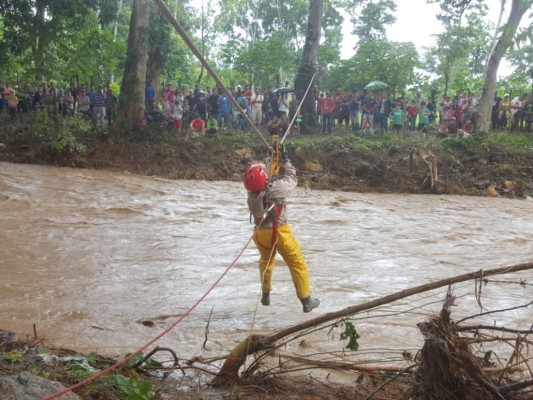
[(500, 164)]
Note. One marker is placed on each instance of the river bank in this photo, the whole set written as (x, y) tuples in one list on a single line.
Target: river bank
[(498, 165)]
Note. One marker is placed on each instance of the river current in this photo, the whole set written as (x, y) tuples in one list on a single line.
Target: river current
[(86, 256)]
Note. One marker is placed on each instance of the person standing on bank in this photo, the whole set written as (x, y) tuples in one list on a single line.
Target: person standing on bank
[(272, 233)]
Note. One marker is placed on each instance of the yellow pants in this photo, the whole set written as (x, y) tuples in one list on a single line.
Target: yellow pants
[(290, 250)]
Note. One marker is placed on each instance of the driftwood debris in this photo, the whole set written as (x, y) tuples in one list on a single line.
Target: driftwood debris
[(448, 369), (229, 373)]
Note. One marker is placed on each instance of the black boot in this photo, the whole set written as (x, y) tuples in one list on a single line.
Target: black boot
[(309, 304), (265, 299)]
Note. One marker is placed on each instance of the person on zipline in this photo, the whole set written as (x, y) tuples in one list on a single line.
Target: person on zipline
[(272, 233)]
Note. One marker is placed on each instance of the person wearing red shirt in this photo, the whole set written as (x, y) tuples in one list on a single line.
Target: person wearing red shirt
[(196, 127)]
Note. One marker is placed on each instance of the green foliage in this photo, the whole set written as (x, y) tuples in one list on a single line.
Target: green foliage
[(371, 21), (135, 389), (390, 62), (350, 334)]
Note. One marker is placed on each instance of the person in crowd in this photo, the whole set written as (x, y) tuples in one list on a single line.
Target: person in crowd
[(411, 113), (397, 116), (201, 105), (293, 106), (385, 108), (446, 111), (39, 99), (177, 116), (238, 118), (12, 103), (223, 110), (355, 105), (248, 94), (170, 93), (344, 112), (51, 101), (423, 117), (328, 106), (212, 102), (149, 96), (196, 127), (528, 110), (99, 105), (419, 99), (69, 103), (278, 125), (110, 104), (257, 107), (61, 102), (272, 233), (467, 129), (84, 104), (517, 112), (369, 107), (90, 95), (449, 129), (282, 104), (505, 108), (337, 100), (74, 91), (319, 101), (212, 126)]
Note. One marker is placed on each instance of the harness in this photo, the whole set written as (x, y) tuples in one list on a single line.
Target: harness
[(262, 206)]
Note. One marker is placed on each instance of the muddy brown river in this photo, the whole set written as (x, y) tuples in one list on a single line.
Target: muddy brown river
[(85, 255)]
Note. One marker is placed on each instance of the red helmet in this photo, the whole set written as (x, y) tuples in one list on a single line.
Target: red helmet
[(255, 178)]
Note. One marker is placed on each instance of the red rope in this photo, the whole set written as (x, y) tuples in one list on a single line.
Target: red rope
[(125, 360)]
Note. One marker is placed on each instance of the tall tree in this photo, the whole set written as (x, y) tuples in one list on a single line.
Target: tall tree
[(308, 65), (370, 18), (39, 24), (458, 46), (131, 107), (518, 9)]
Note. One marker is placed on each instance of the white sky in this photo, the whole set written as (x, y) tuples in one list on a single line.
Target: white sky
[(416, 22)]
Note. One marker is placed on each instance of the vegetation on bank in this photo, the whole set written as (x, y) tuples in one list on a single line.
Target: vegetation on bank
[(382, 162)]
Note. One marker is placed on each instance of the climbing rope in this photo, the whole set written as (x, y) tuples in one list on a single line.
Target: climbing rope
[(155, 339)]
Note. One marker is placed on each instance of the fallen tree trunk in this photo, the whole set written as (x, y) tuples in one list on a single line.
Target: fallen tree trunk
[(229, 372)]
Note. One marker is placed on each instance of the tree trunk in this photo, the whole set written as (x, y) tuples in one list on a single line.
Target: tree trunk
[(229, 372), (131, 106), (308, 65), (115, 32), (518, 9), (38, 55)]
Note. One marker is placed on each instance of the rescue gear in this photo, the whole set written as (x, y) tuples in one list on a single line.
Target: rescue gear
[(289, 249), (265, 299), (255, 178), (309, 304)]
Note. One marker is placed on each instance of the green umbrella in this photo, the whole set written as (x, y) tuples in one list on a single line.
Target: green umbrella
[(376, 85)]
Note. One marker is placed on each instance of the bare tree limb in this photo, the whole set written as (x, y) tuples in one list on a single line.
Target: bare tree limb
[(230, 369), (492, 328)]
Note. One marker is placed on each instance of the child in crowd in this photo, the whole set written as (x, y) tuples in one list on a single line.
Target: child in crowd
[(196, 127), (398, 117), (411, 115), (423, 117), (12, 102), (212, 125), (177, 116)]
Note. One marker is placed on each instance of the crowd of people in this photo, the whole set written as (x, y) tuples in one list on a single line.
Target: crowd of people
[(205, 112), (370, 111), (97, 104), (363, 113)]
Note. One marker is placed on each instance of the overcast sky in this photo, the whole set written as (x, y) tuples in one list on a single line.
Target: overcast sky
[(416, 22)]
